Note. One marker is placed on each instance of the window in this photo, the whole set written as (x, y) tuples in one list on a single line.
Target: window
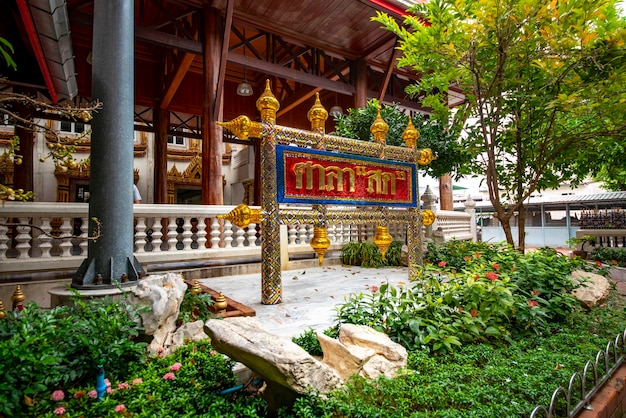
[(73, 127), (175, 139)]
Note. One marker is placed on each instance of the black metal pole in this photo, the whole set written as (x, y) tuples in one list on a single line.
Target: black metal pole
[(110, 258)]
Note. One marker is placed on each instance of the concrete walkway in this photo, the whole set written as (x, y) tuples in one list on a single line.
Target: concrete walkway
[(309, 295)]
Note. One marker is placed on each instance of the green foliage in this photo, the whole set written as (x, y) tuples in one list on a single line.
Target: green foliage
[(45, 350), (450, 156), (543, 83), (309, 342), (7, 51), (367, 254), (610, 255), (195, 307)]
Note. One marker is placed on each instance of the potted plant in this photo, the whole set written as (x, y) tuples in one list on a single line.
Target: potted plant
[(578, 245)]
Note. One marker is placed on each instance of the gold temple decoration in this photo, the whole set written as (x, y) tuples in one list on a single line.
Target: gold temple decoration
[(2, 310), (379, 129), (242, 216), (382, 239), (267, 104), (18, 298), (317, 115), (243, 127), (410, 134), (426, 157), (320, 242), (195, 288), (428, 217), (220, 304)]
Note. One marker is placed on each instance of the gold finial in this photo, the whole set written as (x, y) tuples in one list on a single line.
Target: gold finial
[(382, 239), (426, 156), (242, 216), (2, 310), (267, 104), (320, 242), (379, 129), (195, 288), (243, 127), (18, 298), (220, 304), (317, 115), (428, 217), (410, 134)]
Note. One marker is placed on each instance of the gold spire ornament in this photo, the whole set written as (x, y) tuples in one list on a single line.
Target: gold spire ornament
[(320, 242), (410, 134), (267, 104), (317, 115), (243, 127), (195, 288), (220, 304), (3, 312), (428, 217), (382, 239), (242, 216), (18, 299), (379, 129)]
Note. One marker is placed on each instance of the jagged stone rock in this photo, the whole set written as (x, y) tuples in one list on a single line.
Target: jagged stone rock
[(191, 331), (162, 294), (287, 369), (389, 358), (345, 361), (595, 289)]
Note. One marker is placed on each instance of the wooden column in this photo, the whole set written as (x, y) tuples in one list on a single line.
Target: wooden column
[(212, 193), (23, 173), (360, 83), (161, 127), (445, 193)]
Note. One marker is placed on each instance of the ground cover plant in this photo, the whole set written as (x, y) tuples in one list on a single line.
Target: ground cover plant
[(610, 255), (490, 333)]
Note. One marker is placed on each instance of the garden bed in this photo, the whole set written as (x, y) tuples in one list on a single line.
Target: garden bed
[(233, 309)]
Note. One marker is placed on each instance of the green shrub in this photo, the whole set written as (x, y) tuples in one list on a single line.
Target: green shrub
[(610, 255), (367, 254), (195, 307), (309, 342), (46, 350)]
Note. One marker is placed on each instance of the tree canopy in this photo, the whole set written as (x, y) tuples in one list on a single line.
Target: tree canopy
[(545, 84)]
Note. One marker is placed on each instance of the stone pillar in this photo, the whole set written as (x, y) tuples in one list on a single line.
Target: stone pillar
[(430, 202), (470, 207), (110, 258)]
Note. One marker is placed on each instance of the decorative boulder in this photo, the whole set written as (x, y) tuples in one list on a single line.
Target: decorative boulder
[(162, 294), (594, 289), (345, 361), (288, 370), (191, 331)]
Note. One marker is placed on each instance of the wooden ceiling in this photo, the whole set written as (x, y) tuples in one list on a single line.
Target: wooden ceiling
[(303, 46)]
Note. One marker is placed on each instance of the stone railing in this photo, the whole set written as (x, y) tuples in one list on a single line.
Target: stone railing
[(168, 234), (602, 238)]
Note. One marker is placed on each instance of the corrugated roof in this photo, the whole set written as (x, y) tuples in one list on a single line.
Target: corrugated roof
[(602, 200)]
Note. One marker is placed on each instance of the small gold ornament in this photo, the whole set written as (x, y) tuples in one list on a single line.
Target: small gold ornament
[(243, 127), (428, 217), (195, 288), (379, 129), (410, 134), (426, 157), (2, 310), (317, 115), (242, 216), (18, 299), (382, 239), (220, 304), (320, 242)]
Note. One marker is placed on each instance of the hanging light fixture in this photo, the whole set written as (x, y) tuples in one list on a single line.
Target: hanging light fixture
[(244, 88), (336, 110)]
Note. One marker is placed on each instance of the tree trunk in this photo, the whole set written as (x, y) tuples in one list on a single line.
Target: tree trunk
[(521, 228), (446, 202)]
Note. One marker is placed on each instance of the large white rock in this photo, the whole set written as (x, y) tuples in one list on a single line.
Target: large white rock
[(595, 289), (345, 361), (162, 294), (191, 331)]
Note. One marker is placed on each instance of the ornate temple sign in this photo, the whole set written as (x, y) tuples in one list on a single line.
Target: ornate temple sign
[(321, 177)]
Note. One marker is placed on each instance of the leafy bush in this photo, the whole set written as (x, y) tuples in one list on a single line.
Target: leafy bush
[(195, 307), (610, 255), (46, 350), (367, 254), (309, 342)]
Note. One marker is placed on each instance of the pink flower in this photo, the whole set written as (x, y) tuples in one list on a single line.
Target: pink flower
[(107, 383), (109, 390), (137, 381), (442, 264), (57, 395), (120, 408), (92, 394), (532, 303), (374, 288), (122, 386), (169, 376), (491, 276), (59, 411), (598, 263), (175, 367), (496, 266), (213, 352)]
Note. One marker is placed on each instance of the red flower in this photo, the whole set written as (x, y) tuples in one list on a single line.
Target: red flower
[(496, 266), (492, 276), (373, 288), (474, 313), (532, 303), (442, 264), (467, 258), (598, 263), (613, 262), (535, 292)]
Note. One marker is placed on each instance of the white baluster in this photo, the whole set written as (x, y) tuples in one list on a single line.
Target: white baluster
[(45, 239), (251, 233), (187, 234), (172, 235), (140, 235), (157, 235), (339, 233), (201, 234), (66, 231), (84, 233), (331, 233), (309, 234), (215, 234), (354, 233), (228, 234), (239, 237), (293, 234), (4, 238)]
